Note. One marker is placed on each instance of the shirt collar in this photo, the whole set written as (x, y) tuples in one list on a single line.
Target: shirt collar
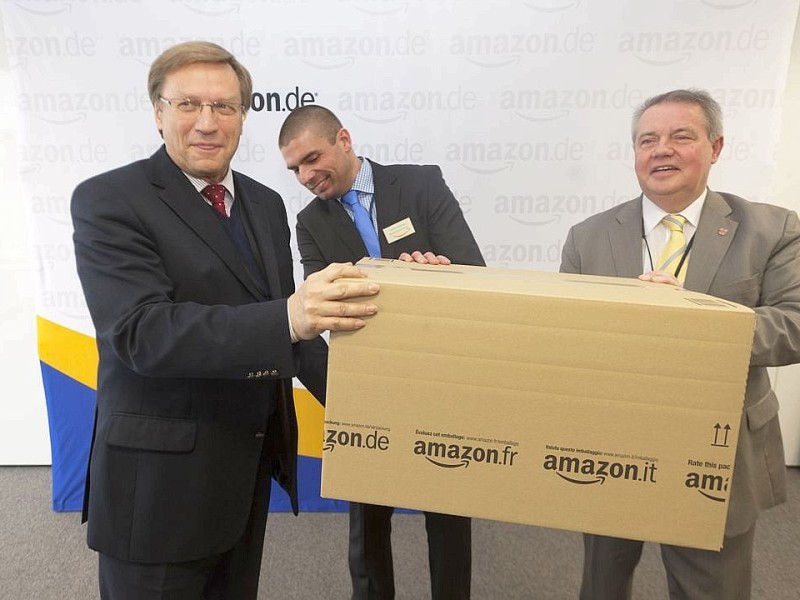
[(364, 181), (199, 184), (652, 214)]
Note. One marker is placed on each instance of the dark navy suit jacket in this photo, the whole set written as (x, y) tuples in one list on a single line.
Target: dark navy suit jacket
[(193, 358)]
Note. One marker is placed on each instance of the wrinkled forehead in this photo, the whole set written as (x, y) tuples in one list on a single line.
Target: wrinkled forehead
[(312, 138), (303, 146), (203, 78), (672, 116)]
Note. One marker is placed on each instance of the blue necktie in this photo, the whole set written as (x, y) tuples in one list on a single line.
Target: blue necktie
[(363, 223)]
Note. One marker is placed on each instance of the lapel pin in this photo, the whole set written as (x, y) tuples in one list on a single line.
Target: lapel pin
[(722, 231)]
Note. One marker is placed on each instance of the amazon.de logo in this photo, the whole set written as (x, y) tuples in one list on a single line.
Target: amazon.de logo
[(337, 436)]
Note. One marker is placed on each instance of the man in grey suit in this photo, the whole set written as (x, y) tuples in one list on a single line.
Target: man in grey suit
[(187, 273), (406, 212), (745, 252)]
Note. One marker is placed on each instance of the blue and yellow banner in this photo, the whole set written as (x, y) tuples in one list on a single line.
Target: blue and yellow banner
[(69, 373)]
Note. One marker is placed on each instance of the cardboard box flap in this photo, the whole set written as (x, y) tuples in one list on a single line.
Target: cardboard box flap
[(551, 285)]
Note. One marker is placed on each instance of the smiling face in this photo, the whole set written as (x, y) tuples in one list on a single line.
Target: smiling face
[(201, 143), (326, 168), (673, 154)]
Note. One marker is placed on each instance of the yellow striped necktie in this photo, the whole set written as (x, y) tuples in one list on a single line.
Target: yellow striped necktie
[(676, 245)]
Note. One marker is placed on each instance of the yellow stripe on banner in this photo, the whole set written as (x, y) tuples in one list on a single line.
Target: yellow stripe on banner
[(75, 355), (310, 422)]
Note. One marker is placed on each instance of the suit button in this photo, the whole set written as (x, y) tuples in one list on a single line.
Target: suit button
[(259, 435)]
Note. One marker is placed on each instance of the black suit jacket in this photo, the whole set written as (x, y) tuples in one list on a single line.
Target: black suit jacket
[(326, 233), (193, 356)]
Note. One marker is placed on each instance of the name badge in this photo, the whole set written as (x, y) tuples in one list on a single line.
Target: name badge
[(399, 230)]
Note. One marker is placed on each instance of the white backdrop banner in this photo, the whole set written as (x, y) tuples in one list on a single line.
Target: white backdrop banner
[(525, 104)]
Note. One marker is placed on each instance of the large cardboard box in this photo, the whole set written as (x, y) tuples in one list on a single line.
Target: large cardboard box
[(594, 404)]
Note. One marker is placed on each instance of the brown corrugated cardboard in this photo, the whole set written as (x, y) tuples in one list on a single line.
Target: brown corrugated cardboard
[(594, 404)]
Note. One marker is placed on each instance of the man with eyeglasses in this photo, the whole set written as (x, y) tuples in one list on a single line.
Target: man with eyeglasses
[(187, 274)]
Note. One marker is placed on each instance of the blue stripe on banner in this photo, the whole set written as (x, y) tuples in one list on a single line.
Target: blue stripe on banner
[(309, 471), (70, 413)]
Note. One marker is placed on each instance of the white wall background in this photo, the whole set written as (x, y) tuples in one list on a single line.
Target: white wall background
[(23, 416), (786, 380), (524, 103)]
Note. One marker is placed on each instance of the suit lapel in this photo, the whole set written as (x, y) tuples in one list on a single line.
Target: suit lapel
[(177, 192), (625, 239), (387, 203), (342, 226), (713, 237), (257, 223)]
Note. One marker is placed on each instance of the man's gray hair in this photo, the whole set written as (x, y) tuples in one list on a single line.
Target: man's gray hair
[(710, 107)]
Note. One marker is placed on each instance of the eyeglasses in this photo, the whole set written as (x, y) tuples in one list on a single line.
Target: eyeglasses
[(191, 105)]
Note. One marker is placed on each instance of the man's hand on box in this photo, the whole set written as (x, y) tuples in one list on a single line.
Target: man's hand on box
[(429, 258), (320, 303), (660, 277)]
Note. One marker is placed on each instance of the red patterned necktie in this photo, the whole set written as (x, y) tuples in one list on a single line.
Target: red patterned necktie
[(216, 195)]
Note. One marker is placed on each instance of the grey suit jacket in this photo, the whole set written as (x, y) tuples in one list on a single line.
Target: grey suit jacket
[(744, 252), (326, 233)]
